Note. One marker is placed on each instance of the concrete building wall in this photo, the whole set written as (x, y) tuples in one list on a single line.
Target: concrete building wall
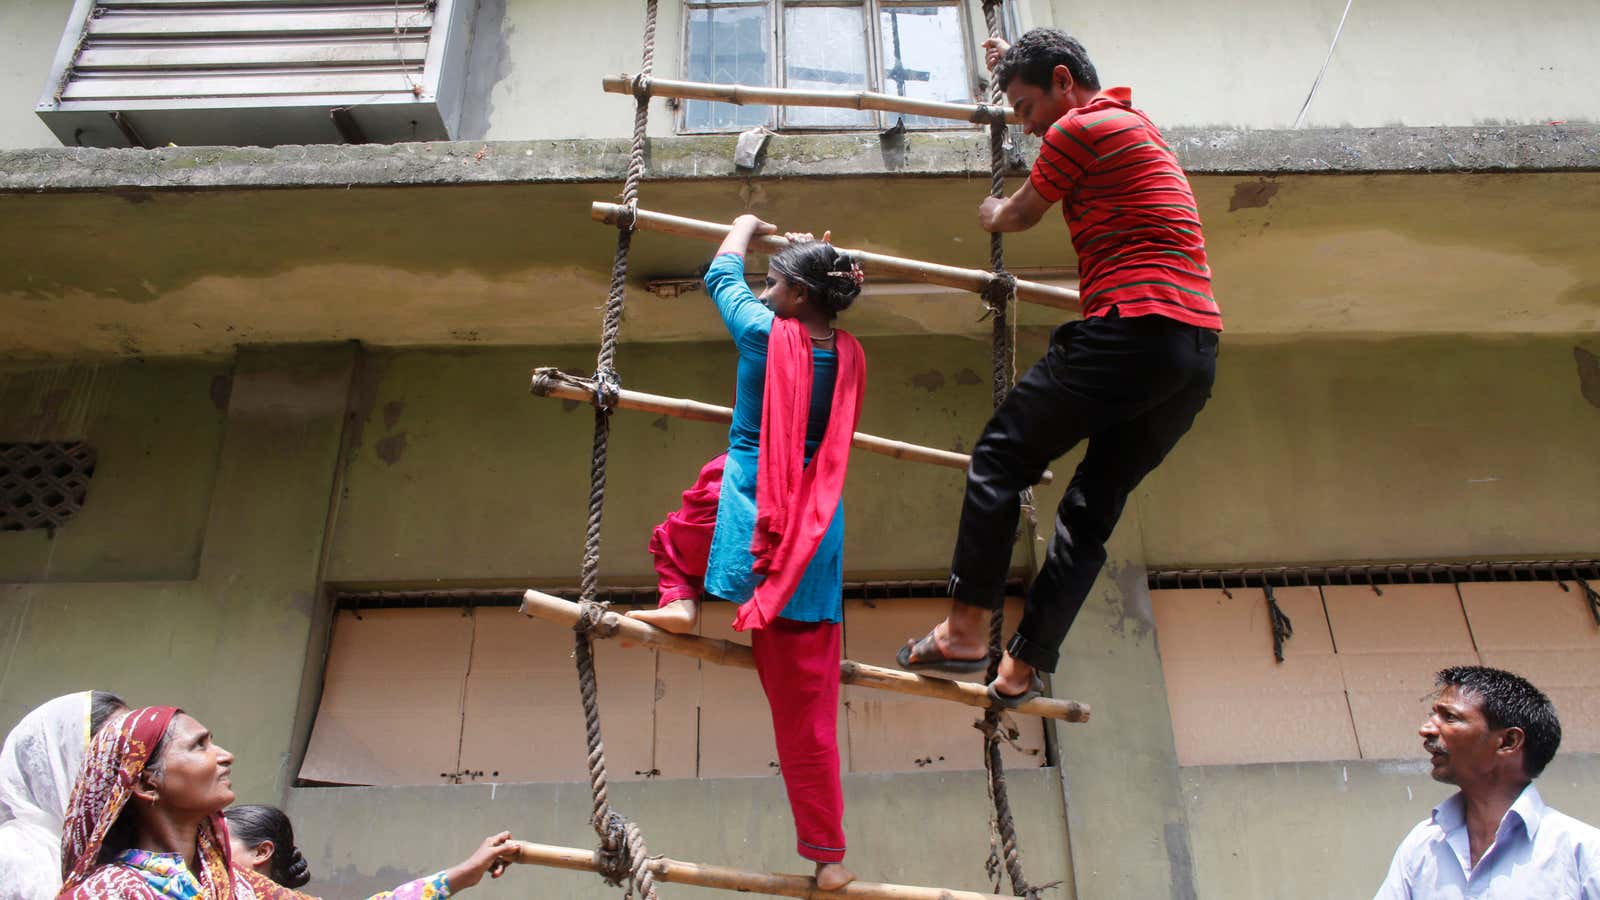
[(535, 65), (452, 472)]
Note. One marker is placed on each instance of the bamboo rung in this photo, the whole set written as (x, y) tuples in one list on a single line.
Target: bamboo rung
[(557, 384), (743, 95), (976, 280), (673, 871), (729, 653)]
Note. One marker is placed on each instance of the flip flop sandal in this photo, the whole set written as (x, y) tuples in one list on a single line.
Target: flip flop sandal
[(929, 656), (998, 700)]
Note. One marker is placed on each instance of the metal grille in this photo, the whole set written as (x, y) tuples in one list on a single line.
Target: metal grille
[(43, 485), (454, 598), (1378, 574)]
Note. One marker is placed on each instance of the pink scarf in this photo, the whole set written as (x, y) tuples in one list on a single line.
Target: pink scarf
[(795, 502)]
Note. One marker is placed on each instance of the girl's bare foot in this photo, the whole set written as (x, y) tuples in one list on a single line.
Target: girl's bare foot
[(678, 617), (833, 876)]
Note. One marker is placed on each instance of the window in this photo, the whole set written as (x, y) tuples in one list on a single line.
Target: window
[(1357, 676), (914, 49), (494, 697)]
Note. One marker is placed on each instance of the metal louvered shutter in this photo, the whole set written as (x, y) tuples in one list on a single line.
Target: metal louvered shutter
[(257, 72)]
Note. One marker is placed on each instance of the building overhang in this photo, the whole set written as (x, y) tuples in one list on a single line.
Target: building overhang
[(194, 250)]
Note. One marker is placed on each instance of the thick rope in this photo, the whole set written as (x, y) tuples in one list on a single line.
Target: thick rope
[(1004, 853), (623, 856)]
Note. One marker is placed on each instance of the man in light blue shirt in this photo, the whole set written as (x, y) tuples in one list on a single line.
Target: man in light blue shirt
[(1490, 734)]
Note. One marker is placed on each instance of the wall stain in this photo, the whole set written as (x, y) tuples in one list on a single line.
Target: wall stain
[(1252, 194), (221, 390), (660, 424), (391, 448), (967, 376), (1180, 860), (391, 413), (930, 381), (1588, 375)]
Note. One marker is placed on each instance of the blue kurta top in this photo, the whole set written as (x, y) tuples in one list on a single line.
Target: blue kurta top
[(818, 596)]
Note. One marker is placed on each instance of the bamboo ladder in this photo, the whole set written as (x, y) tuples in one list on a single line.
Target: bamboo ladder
[(622, 857)]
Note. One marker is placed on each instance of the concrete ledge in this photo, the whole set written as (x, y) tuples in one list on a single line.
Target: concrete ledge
[(1532, 148)]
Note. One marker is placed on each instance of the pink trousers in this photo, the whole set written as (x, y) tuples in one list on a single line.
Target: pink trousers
[(799, 667)]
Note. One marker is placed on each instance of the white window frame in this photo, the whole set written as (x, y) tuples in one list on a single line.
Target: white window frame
[(977, 81)]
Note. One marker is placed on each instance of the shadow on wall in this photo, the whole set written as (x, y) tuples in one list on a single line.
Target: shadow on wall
[(488, 64)]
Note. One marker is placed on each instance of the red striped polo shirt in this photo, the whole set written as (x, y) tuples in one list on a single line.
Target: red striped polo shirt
[(1133, 218)]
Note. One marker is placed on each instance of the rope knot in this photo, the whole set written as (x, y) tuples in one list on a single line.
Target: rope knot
[(613, 858), (592, 621), (641, 87), (607, 389), (998, 292), (545, 379), (989, 115), (627, 216)]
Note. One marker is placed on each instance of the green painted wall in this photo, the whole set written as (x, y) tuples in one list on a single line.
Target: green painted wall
[(230, 643), (156, 428)]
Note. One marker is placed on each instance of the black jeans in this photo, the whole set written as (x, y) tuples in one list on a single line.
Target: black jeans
[(1131, 387)]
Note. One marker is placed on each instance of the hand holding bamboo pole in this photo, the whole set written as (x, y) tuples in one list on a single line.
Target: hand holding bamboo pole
[(540, 605), (549, 382), (975, 280), (674, 871)]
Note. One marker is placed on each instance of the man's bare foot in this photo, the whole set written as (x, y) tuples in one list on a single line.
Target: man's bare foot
[(1015, 677), (962, 638), (678, 617), (833, 876)]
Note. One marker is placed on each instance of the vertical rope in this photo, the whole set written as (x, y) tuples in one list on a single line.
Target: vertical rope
[(622, 854), (1004, 853)]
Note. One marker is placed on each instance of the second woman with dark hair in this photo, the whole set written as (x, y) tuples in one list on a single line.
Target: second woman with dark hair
[(263, 841), (777, 549)]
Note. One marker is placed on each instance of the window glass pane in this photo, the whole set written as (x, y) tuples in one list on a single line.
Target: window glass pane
[(923, 57), (727, 46), (825, 48)]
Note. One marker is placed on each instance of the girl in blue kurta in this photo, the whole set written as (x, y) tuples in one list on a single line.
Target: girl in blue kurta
[(797, 652)]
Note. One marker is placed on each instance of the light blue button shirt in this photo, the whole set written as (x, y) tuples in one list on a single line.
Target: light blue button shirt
[(1537, 854)]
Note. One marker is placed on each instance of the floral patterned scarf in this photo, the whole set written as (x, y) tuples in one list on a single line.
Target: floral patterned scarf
[(117, 757)]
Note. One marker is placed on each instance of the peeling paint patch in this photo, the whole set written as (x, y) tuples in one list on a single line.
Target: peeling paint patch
[(391, 413), (930, 381), (967, 376), (391, 448), (1130, 600), (1252, 195), (221, 390), (1588, 375)]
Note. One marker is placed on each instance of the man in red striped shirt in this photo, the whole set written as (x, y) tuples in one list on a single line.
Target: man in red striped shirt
[(1129, 377)]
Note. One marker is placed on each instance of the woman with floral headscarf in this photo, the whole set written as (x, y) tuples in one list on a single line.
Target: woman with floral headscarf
[(38, 764), (145, 822)]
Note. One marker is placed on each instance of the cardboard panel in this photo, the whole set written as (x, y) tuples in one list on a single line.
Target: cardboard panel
[(896, 733), (524, 716), (677, 715), (735, 724), (391, 706), (1231, 701), (1549, 637), (1390, 646)]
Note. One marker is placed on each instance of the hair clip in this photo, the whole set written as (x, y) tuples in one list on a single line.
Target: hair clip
[(854, 273)]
